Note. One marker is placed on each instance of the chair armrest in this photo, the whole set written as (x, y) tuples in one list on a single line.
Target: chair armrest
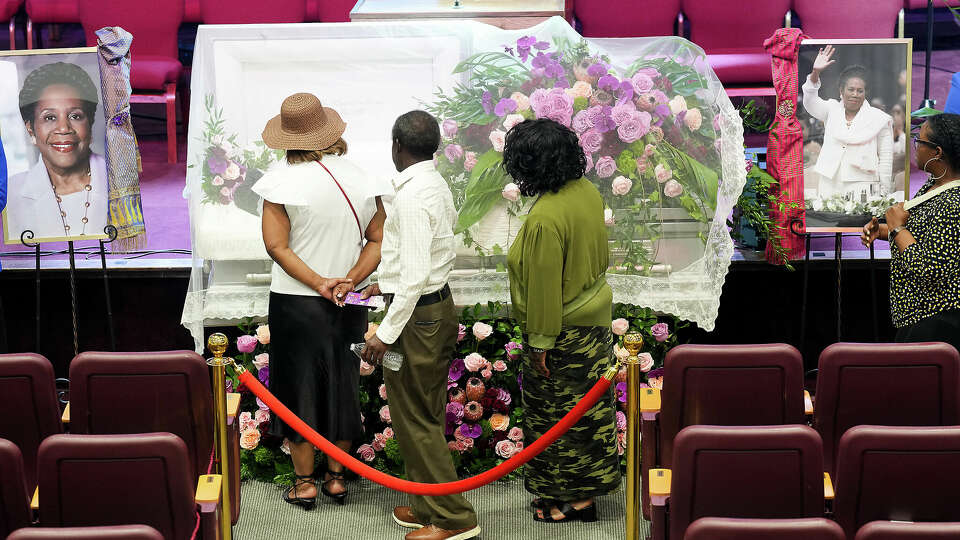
[(807, 403), (827, 487), (233, 406), (208, 492), (649, 403), (35, 501), (660, 486), (65, 417)]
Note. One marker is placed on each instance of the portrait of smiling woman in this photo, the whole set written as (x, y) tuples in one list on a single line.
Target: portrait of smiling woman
[(63, 193)]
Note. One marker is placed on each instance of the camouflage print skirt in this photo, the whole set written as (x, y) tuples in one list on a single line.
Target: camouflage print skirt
[(583, 462)]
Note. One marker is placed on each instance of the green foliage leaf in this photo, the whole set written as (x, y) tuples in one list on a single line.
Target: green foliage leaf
[(483, 191)]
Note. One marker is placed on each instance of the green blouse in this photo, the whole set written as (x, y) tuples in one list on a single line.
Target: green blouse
[(557, 264)]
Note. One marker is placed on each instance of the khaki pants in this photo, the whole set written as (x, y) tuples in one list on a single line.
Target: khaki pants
[(418, 399)]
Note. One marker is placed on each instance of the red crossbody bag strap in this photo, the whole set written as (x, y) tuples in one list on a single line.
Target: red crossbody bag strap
[(352, 209)]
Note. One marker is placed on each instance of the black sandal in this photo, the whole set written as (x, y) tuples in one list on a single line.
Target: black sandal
[(303, 502), (339, 498), (542, 503), (587, 514)]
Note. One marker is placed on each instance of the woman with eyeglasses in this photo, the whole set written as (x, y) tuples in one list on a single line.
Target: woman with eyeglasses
[(924, 236)]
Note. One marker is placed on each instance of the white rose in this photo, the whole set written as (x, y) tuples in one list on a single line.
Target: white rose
[(678, 105), (511, 192), (232, 172), (512, 120), (497, 138)]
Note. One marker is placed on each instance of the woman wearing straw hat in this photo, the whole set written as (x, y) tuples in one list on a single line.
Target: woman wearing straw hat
[(322, 226)]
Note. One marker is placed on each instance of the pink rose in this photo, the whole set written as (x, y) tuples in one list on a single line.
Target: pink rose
[(246, 421), (470, 161), (620, 326), (512, 120), (693, 119), (385, 414), (452, 446), (642, 164), (467, 443), (560, 107), (606, 166), (539, 99), (660, 332), (217, 180), (662, 172), (672, 188), (623, 112), (486, 374), (261, 360), (261, 416), (589, 159), (621, 185), (620, 353), (249, 438), (506, 449), (449, 128), (634, 127), (379, 442), (453, 152), (497, 139), (646, 361), (461, 332), (474, 362), (649, 149), (522, 101), (499, 365), (366, 452), (365, 369), (263, 334), (232, 172), (382, 391), (388, 433), (246, 344), (481, 330), (621, 421), (511, 192), (642, 83), (225, 191), (515, 434), (581, 122), (590, 140), (608, 218)]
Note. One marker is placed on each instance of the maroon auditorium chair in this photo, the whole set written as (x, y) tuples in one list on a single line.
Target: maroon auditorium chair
[(252, 11), (191, 11), (28, 397), (627, 18), (109, 532), (154, 65), (893, 530), (167, 391), (14, 500), (874, 18), (894, 473), (52, 12), (887, 384), (710, 528), (765, 472), (726, 385), (732, 34), (93, 480), (8, 8)]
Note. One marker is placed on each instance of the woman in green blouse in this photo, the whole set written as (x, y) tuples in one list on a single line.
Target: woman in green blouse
[(563, 304), (924, 236)]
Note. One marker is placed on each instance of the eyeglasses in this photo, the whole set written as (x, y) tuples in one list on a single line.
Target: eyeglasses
[(917, 139)]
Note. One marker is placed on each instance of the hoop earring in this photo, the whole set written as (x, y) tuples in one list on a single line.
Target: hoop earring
[(928, 172)]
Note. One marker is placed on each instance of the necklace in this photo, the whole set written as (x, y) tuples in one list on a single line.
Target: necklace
[(86, 208)]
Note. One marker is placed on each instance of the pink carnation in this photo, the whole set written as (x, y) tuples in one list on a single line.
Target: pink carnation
[(606, 166), (453, 152), (515, 434), (261, 415), (449, 128), (249, 439), (385, 414), (662, 172), (246, 421), (366, 452), (623, 112), (379, 442), (469, 161), (539, 100), (693, 119), (621, 420), (388, 433), (474, 362)]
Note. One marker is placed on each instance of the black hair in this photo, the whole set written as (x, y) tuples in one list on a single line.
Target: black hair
[(417, 132), (57, 73), (542, 155), (945, 133), (853, 71)]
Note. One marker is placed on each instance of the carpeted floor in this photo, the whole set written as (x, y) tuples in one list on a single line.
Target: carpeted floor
[(503, 509)]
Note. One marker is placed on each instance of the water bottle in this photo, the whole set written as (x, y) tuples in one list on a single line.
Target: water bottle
[(392, 360)]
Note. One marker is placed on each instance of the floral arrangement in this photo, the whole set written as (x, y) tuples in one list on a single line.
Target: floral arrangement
[(842, 204), (227, 170), (649, 138)]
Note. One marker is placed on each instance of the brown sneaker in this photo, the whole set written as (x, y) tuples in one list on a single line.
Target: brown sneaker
[(404, 517), (432, 532)]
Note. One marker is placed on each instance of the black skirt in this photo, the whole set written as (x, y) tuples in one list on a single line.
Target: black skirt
[(312, 370)]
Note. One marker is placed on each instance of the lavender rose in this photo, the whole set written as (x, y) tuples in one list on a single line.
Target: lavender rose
[(623, 112), (246, 344), (634, 127), (590, 141), (642, 83), (660, 331), (606, 166), (449, 128)]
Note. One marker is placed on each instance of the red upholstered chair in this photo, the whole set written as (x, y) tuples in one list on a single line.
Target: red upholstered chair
[(27, 387), (626, 18), (14, 500), (767, 472), (155, 68), (874, 18), (166, 391), (8, 8), (93, 480), (51, 11), (726, 385), (333, 10), (710, 528), (252, 11), (191, 11), (732, 35), (110, 532), (897, 474), (902, 384), (893, 530)]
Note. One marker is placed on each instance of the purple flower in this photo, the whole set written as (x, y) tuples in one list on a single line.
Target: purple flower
[(609, 83), (262, 405), (590, 141), (264, 375), (660, 331), (471, 430), (581, 122), (504, 107), (606, 166), (662, 110), (454, 412), (605, 124), (597, 70), (449, 127), (635, 127), (487, 102), (541, 45), (655, 373), (523, 46), (456, 369), (228, 385), (623, 112), (621, 392), (246, 344), (218, 162), (504, 396), (641, 82), (453, 152)]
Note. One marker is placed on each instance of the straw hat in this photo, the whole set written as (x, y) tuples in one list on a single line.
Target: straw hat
[(303, 124)]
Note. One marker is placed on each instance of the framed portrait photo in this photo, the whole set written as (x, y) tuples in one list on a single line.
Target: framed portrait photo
[(54, 136), (854, 111)]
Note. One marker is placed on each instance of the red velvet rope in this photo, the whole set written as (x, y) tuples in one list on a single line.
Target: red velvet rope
[(420, 488)]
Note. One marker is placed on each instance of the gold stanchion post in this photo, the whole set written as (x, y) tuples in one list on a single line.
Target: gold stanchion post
[(217, 343), (633, 342)]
